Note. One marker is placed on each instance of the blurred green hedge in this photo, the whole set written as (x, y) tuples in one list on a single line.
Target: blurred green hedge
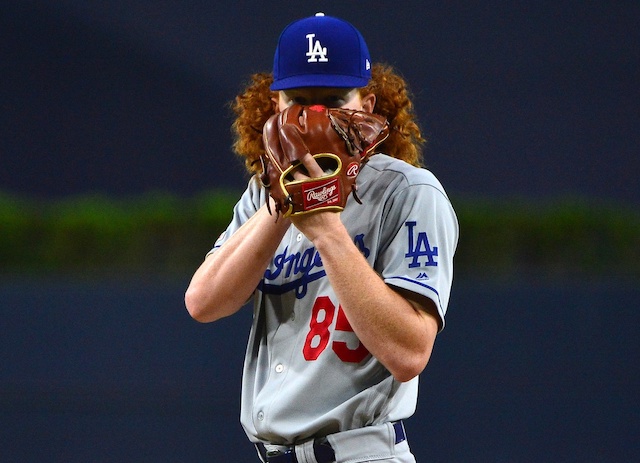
[(561, 237), (155, 232), (163, 233)]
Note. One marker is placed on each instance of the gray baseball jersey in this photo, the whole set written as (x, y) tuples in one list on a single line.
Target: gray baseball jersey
[(306, 373)]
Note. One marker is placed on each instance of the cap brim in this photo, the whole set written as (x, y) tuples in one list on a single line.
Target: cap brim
[(320, 80)]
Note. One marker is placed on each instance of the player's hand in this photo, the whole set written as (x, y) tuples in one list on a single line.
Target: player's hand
[(317, 225)]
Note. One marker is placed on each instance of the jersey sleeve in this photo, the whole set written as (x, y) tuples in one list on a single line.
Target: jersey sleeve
[(251, 200), (417, 251)]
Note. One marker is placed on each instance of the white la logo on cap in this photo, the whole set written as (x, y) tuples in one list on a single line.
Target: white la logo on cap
[(317, 53)]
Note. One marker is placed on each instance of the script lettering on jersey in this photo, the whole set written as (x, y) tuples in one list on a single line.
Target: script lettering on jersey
[(418, 246), (359, 242), (291, 265), (298, 269)]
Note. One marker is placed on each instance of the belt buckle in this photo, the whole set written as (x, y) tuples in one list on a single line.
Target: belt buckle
[(279, 456)]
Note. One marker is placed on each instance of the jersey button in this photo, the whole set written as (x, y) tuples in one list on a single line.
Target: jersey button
[(299, 237), (279, 368), (261, 416)]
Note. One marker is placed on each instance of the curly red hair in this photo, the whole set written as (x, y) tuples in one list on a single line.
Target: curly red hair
[(393, 100)]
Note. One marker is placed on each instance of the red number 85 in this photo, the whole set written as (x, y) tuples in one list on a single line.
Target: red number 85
[(317, 340)]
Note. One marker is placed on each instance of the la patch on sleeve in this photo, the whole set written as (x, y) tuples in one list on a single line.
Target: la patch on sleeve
[(419, 250)]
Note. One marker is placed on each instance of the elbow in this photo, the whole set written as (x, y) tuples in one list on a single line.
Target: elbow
[(207, 306), (197, 306), (408, 371), (410, 366)]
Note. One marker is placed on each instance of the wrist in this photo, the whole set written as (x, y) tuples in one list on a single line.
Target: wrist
[(329, 234)]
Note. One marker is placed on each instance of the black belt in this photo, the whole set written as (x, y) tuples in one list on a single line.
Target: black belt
[(321, 448)]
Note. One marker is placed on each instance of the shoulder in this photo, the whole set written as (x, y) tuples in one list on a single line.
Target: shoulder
[(397, 175), (255, 194), (253, 197)]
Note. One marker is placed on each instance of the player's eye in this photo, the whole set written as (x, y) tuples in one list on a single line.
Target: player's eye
[(334, 101), (299, 100)]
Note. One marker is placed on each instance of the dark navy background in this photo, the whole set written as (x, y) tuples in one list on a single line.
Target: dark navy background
[(518, 98), (115, 370)]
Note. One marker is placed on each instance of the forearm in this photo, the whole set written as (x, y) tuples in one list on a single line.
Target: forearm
[(394, 330), (228, 277)]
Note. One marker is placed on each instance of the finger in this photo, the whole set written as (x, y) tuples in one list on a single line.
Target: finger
[(311, 165)]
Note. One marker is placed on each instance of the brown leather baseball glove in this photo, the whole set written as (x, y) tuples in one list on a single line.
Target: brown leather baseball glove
[(339, 140)]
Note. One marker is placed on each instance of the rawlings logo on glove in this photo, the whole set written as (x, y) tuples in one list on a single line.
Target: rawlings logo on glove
[(338, 140)]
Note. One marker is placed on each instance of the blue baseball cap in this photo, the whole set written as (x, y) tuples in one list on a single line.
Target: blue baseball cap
[(321, 51)]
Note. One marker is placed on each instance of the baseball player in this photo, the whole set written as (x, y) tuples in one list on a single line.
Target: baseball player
[(347, 301)]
